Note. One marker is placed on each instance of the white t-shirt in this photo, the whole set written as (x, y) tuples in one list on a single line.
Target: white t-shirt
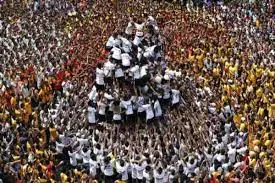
[(139, 27), (99, 76), (130, 28), (157, 109), (91, 115), (102, 108), (140, 102), (166, 93), (122, 170), (126, 45), (117, 117), (108, 169), (59, 147), (116, 53), (86, 156), (149, 111), (140, 169), (108, 68), (93, 93), (158, 178), (149, 52), (112, 42), (119, 73), (137, 40), (175, 96), (93, 167), (134, 171), (125, 59), (128, 106), (73, 161), (143, 71), (147, 176), (135, 71)]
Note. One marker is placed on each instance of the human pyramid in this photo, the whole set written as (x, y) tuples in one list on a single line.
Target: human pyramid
[(134, 84), (184, 95)]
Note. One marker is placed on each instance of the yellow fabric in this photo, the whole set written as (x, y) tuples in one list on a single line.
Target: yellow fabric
[(63, 177)]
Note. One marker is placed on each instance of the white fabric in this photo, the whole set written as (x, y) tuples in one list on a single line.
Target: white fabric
[(112, 42), (143, 70), (91, 115), (108, 68), (93, 167), (119, 73), (122, 170), (157, 109), (175, 96), (102, 108), (135, 71), (99, 76), (130, 28), (73, 161), (126, 59), (140, 169), (126, 45), (116, 53), (149, 111), (140, 102), (137, 40), (128, 106), (158, 178), (117, 117), (86, 156), (149, 52), (108, 169)]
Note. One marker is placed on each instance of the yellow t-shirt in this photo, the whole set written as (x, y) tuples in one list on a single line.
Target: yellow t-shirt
[(260, 111), (232, 70), (13, 101), (63, 177), (259, 92), (259, 72), (53, 134), (216, 71)]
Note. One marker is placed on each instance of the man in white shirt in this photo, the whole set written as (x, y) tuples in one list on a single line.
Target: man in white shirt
[(147, 174), (108, 169), (99, 78), (126, 45), (158, 175), (135, 72), (128, 106), (113, 41), (149, 112), (126, 60), (86, 155), (102, 110), (152, 53), (121, 167), (116, 54), (175, 98), (108, 69), (93, 166), (130, 29), (73, 160), (157, 109)]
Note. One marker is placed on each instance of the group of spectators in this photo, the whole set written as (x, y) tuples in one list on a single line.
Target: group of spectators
[(183, 95)]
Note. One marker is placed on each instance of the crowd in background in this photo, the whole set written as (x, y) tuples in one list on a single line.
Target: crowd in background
[(222, 130)]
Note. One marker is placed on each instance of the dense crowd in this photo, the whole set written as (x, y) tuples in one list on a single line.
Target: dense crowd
[(174, 95)]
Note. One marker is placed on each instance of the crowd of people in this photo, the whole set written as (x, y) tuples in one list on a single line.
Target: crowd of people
[(174, 95)]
